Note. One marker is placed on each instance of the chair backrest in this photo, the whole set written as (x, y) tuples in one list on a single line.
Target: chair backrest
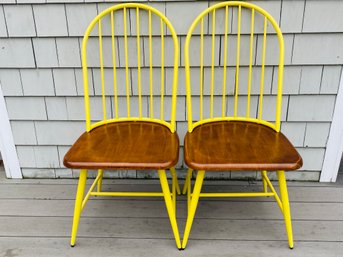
[(226, 60), (125, 64)]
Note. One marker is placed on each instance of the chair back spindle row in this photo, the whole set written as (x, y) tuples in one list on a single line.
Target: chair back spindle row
[(149, 40), (235, 36)]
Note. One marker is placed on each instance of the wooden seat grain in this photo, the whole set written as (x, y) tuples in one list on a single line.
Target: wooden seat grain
[(125, 145), (236, 145)]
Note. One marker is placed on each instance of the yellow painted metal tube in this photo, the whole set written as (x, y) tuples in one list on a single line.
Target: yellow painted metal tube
[(174, 191), (90, 191), (276, 196), (175, 187), (114, 62), (237, 59), (162, 70), (139, 63), (100, 172), (188, 178), (248, 194), (173, 173), (188, 82), (189, 189), (260, 109), (102, 72), (189, 101), (78, 205), (150, 70), (201, 68), (175, 74), (138, 194), (85, 83), (264, 182), (225, 61), (212, 62), (126, 66), (100, 123), (101, 57), (171, 210), (286, 208), (280, 79), (188, 186), (266, 123), (193, 206), (250, 60)]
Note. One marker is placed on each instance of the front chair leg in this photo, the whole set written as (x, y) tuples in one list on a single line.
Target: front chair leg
[(285, 205), (78, 205), (193, 206), (170, 206)]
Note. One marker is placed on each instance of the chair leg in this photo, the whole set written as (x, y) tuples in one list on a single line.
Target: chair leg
[(285, 205), (174, 183), (78, 204), (173, 173), (189, 190), (100, 172), (188, 178), (170, 207), (265, 187), (193, 206)]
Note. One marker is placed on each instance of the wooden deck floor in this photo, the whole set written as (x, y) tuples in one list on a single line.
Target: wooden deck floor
[(36, 216)]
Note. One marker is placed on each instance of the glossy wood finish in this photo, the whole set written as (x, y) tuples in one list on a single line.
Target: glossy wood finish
[(233, 145), (125, 145)]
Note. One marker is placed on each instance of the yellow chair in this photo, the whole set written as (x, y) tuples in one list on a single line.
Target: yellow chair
[(141, 138), (229, 134)]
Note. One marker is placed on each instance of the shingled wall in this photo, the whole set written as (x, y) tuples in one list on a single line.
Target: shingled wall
[(40, 75)]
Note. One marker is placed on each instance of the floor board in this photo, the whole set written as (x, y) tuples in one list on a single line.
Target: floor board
[(67, 191), (142, 227), (156, 208)]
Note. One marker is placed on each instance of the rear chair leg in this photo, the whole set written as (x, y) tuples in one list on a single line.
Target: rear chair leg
[(175, 181), (188, 178), (189, 189), (285, 205), (170, 206), (265, 187), (100, 172), (78, 205)]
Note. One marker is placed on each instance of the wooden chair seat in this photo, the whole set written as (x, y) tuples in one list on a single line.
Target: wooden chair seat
[(125, 145), (236, 145)]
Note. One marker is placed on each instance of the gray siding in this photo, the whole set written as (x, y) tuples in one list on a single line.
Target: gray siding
[(40, 75)]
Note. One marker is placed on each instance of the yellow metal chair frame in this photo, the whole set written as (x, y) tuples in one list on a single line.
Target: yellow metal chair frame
[(169, 197), (193, 197)]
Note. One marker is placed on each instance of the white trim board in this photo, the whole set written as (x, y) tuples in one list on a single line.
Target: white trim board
[(334, 147), (7, 147)]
